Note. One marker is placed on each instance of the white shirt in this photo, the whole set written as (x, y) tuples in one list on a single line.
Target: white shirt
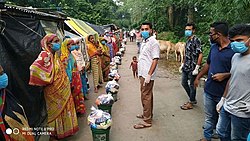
[(131, 33), (150, 49)]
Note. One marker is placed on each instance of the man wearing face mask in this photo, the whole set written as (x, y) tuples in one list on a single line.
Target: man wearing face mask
[(147, 64), (234, 120), (191, 65), (218, 70)]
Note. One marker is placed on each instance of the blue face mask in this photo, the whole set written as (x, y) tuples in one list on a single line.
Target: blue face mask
[(72, 48), (103, 42), (56, 46), (239, 47), (3, 81), (77, 46), (145, 34), (188, 33)]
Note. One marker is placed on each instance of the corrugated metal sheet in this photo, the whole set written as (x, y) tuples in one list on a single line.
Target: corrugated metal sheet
[(33, 11)]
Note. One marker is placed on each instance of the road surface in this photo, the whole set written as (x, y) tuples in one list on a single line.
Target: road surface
[(170, 123)]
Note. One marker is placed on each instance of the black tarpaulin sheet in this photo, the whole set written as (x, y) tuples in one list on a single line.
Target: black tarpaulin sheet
[(97, 28), (19, 47)]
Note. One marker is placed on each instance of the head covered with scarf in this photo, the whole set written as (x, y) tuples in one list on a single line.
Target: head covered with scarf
[(46, 42), (65, 49), (41, 70)]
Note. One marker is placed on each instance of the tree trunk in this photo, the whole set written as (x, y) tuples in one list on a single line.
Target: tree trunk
[(190, 14), (171, 16)]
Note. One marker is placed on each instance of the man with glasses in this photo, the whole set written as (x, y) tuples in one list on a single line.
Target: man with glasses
[(218, 70), (148, 60)]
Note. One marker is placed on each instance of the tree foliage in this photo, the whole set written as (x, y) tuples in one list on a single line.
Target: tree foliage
[(166, 15), (94, 11)]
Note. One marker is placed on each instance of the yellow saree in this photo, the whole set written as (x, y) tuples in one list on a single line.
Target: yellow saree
[(59, 102)]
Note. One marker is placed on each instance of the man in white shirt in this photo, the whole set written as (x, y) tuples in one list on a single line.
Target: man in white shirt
[(148, 60)]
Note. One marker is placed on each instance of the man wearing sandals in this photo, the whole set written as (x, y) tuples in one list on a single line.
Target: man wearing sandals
[(148, 60), (191, 65), (218, 70)]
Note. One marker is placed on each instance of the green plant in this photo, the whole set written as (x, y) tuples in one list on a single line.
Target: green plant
[(168, 36)]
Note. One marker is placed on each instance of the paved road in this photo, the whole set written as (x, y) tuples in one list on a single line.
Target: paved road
[(170, 123)]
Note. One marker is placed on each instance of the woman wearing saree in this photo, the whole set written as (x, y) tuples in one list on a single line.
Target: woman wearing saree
[(48, 71), (109, 45), (74, 75), (94, 54), (80, 66), (105, 59)]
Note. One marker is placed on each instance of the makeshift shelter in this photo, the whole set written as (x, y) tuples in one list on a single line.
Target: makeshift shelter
[(74, 27), (79, 27), (110, 27), (19, 47), (97, 28)]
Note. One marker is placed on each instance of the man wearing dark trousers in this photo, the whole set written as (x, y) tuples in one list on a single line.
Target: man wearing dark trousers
[(217, 69), (148, 60), (191, 65)]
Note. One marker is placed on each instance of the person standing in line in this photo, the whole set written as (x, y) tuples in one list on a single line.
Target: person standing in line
[(191, 65), (234, 119), (105, 59), (70, 65), (218, 70), (48, 71), (109, 45), (77, 53), (94, 54), (147, 65)]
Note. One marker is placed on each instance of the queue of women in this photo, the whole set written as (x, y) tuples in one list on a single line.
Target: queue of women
[(61, 70)]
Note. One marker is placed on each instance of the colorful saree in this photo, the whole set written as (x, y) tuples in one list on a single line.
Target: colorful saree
[(74, 76), (95, 64), (81, 68), (105, 61), (48, 71)]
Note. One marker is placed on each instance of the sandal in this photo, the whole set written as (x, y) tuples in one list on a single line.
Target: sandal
[(139, 116), (187, 106), (185, 103), (142, 125)]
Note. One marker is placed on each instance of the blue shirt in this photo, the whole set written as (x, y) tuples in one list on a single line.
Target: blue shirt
[(219, 62), (110, 50)]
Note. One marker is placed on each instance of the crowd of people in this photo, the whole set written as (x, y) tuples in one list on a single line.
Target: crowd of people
[(226, 92), (61, 70)]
